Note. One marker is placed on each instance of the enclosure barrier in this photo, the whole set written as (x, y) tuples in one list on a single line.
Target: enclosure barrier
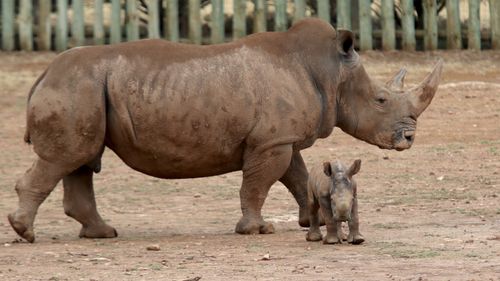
[(38, 25)]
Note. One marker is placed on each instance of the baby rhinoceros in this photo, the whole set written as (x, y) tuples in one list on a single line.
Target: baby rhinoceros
[(332, 187)]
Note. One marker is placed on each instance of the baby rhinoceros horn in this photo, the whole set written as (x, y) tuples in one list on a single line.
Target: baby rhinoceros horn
[(421, 95), (397, 82)]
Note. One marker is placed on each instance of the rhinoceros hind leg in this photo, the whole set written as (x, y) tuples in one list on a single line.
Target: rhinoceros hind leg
[(79, 203), (260, 172), (32, 189), (295, 180)]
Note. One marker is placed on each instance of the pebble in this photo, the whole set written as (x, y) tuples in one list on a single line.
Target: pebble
[(154, 247), (99, 259)]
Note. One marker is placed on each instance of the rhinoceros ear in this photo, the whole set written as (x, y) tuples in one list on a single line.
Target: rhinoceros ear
[(397, 81), (421, 95), (355, 167), (345, 39)]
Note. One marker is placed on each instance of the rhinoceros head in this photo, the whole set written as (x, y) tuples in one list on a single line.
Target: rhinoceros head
[(342, 188), (383, 114)]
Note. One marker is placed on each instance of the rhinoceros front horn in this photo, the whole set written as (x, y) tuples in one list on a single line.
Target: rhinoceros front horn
[(397, 82), (421, 95)]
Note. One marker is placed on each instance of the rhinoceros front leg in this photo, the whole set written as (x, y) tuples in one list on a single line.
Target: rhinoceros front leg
[(79, 203), (355, 237), (295, 179), (332, 226), (260, 171), (32, 189)]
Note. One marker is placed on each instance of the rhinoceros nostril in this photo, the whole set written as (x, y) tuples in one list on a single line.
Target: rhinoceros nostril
[(409, 135)]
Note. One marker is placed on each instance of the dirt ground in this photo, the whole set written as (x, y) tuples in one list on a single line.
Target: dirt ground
[(428, 213)]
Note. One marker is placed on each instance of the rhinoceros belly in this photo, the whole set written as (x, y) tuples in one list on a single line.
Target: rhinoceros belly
[(179, 134)]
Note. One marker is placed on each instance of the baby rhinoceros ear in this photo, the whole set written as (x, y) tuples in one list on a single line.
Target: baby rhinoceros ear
[(355, 167), (327, 168)]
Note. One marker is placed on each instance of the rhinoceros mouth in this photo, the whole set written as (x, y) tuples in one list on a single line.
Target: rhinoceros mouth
[(403, 139)]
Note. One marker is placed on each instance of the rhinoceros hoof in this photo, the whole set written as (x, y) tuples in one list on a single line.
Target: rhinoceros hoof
[(314, 236), (331, 239), (98, 231), (245, 227), (266, 228), (355, 239), (23, 229)]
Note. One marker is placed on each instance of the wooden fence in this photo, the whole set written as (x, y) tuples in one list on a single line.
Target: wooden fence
[(47, 25)]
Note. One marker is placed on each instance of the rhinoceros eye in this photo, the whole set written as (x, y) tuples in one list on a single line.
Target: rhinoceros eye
[(381, 100)]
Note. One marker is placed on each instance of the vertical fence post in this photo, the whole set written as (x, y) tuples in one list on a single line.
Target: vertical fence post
[(132, 20), (300, 10), (495, 24), (280, 17), (153, 19), (259, 23), (408, 25), (239, 18), (8, 25), (324, 10), (344, 14), (116, 26), (194, 21), (473, 26), (430, 25), (26, 25), (98, 23), (44, 26), (77, 25), (453, 35), (365, 25), (388, 26), (62, 26), (172, 20), (217, 28)]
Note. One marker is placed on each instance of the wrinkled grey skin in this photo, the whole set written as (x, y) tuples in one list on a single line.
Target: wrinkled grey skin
[(332, 189), (174, 110)]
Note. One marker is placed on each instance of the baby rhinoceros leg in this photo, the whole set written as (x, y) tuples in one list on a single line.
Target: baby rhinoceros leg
[(331, 224), (331, 234), (79, 203), (354, 236), (314, 233)]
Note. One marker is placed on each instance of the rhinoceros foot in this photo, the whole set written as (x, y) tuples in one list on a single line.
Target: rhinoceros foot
[(332, 239), (246, 226), (355, 238), (24, 230), (314, 235), (98, 231)]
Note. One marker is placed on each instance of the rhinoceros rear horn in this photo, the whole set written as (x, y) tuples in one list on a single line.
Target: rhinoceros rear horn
[(397, 82), (421, 96)]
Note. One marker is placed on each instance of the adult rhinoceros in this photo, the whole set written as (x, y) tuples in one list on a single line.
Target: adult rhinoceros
[(181, 111)]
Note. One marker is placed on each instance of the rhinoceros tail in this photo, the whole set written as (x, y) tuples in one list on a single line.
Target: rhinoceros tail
[(32, 91)]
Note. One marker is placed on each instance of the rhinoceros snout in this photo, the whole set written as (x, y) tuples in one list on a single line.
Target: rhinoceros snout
[(405, 140)]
